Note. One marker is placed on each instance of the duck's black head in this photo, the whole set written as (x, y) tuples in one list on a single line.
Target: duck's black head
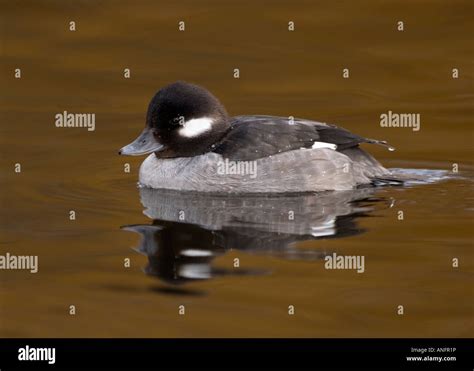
[(183, 120)]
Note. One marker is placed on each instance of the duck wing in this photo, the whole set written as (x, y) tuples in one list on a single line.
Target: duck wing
[(253, 137)]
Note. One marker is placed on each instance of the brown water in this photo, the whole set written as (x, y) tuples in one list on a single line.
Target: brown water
[(407, 262)]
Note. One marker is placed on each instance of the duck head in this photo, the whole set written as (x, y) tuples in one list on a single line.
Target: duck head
[(183, 120)]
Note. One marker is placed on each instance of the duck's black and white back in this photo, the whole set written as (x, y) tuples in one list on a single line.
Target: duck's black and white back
[(197, 147)]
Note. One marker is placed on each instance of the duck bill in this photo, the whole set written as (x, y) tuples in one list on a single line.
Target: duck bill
[(144, 144)]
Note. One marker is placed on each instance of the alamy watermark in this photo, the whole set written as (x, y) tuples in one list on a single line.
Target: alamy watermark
[(229, 167), (400, 120), (75, 120), (37, 354), (355, 262), (19, 262)]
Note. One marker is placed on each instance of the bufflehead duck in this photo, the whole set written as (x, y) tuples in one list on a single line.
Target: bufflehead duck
[(195, 146)]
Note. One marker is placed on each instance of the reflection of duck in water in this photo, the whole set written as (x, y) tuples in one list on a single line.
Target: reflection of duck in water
[(179, 252), (191, 229)]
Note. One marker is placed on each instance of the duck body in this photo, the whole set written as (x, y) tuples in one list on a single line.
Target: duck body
[(195, 146)]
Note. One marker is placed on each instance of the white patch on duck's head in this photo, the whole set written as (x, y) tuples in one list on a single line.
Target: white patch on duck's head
[(195, 127)]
